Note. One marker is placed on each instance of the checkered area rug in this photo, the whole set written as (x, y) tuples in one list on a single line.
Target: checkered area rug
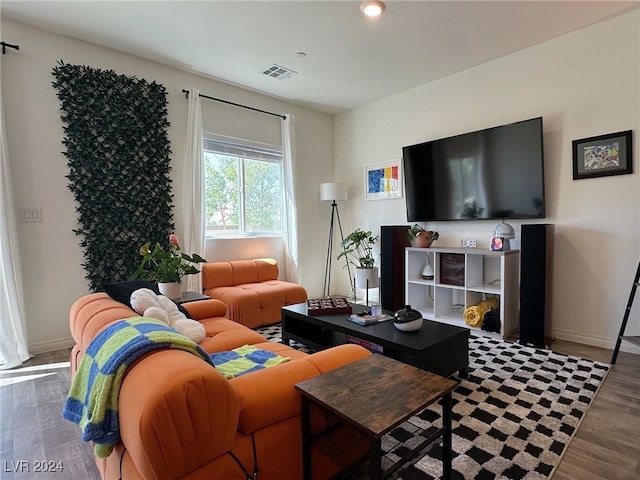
[(512, 418)]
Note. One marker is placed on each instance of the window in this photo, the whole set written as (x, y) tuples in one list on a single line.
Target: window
[(243, 188)]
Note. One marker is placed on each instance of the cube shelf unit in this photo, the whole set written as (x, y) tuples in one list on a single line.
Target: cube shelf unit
[(486, 272)]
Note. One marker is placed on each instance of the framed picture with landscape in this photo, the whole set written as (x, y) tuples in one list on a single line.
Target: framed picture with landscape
[(602, 156), (383, 180)]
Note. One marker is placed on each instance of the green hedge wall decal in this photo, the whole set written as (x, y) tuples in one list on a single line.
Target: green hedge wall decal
[(118, 156)]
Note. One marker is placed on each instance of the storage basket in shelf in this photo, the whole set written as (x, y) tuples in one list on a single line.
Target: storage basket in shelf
[(452, 269)]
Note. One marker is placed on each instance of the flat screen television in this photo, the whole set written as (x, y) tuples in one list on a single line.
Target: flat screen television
[(496, 173)]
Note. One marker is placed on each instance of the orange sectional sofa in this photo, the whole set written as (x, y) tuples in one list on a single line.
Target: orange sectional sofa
[(181, 419), (251, 290)]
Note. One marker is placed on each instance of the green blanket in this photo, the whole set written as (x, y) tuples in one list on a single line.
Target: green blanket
[(92, 402), (245, 359)]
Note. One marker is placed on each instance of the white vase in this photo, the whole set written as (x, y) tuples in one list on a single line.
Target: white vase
[(366, 274), (427, 271), (171, 290)]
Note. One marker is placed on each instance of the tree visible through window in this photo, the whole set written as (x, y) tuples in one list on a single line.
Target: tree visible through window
[(243, 189)]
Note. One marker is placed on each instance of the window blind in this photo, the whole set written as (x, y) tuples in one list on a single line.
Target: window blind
[(250, 151)]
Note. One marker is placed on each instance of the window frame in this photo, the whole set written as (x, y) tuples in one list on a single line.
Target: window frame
[(243, 149)]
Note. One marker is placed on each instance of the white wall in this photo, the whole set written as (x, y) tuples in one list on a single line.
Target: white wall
[(583, 84), (51, 257)]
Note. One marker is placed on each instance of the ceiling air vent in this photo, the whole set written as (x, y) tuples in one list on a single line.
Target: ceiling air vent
[(279, 72)]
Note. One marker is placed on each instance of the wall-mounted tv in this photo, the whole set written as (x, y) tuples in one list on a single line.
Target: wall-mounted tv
[(496, 173)]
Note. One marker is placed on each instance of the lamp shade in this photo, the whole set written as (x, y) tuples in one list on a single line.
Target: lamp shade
[(333, 191), (506, 233), (504, 230)]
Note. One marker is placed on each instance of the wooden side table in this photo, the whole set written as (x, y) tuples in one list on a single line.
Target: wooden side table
[(375, 395)]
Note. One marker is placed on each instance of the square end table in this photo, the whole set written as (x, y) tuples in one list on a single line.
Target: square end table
[(375, 395)]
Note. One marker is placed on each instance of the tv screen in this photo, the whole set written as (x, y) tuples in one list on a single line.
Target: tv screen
[(496, 173)]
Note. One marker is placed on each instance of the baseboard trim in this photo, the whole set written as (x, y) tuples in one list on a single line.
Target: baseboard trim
[(51, 345), (594, 341)]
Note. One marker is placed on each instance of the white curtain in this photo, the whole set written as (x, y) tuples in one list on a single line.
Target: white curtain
[(291, 255), (13, 344), (193, 187)]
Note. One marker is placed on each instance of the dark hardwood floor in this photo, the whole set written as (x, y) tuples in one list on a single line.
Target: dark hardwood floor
[(34, 437), (606, 447)]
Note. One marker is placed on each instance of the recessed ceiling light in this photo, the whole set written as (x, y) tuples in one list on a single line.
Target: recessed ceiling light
[(372, 8)]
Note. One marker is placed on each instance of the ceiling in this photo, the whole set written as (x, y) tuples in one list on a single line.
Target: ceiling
[(350, 60)]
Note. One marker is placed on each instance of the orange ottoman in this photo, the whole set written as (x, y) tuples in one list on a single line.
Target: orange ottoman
[(251, 290)]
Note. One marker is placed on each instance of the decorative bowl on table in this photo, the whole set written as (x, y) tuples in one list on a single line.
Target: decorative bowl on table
[(407, 319)]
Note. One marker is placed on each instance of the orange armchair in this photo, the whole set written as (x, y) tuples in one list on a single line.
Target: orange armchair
[(251, 290)]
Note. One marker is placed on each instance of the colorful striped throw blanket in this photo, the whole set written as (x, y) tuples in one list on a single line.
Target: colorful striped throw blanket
[(245, 359), (92, 401)]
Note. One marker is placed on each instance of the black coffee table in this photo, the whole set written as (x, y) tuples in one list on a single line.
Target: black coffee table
[(437, 347)]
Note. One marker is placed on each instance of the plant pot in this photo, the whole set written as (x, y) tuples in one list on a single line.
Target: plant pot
[(422, 240), (366, 274), (171, 290)]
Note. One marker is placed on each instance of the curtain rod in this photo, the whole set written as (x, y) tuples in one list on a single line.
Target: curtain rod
[(186, 92), (5, 45)]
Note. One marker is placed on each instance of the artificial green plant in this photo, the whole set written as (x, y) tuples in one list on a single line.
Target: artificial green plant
[(118, 154)]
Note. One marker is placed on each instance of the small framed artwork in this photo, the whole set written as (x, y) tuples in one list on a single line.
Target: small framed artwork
[(603, 155), (383, 180)]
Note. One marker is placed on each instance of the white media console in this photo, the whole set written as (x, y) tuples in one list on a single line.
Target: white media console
[(486, 272)]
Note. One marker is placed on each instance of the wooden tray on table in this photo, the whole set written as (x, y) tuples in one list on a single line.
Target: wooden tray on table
[(328, 306)]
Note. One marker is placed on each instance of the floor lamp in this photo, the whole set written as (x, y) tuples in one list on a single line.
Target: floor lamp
[(331, 192)]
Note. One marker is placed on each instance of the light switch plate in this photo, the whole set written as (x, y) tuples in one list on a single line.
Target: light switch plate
[(31, 215)]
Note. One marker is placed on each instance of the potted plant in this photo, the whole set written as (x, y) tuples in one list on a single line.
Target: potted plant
[(358, 250), (419, 237), (166, 267)]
